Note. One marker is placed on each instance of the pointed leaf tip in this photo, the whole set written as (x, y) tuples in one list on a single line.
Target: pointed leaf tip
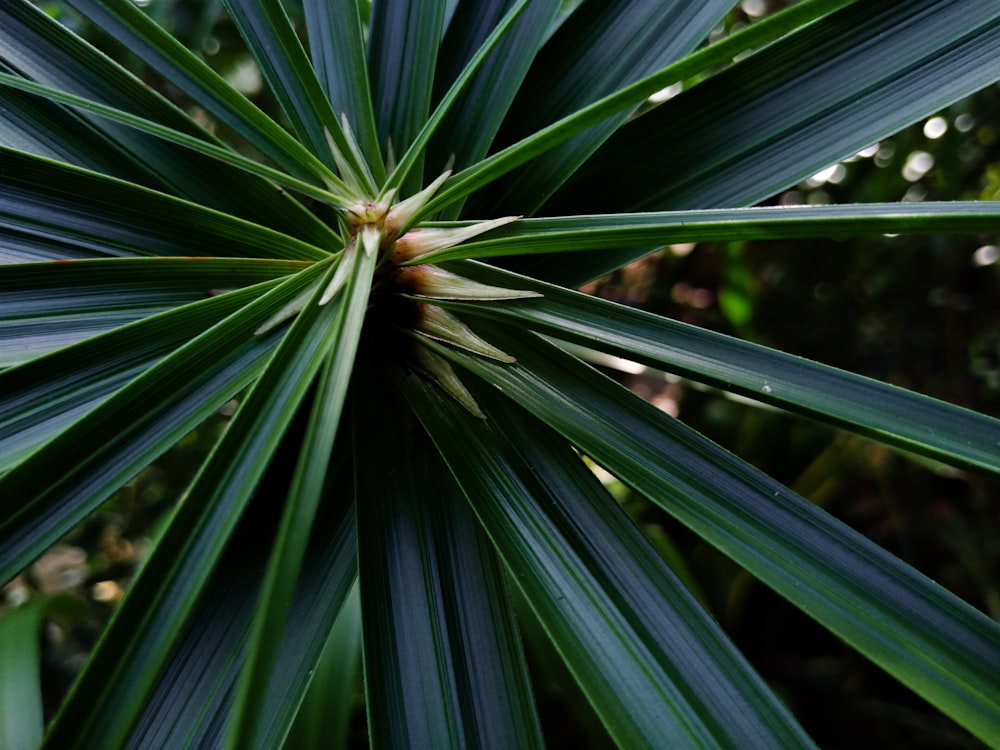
[(440, 371), (421, 242), (436, 283), (439, 324), (403, 212)]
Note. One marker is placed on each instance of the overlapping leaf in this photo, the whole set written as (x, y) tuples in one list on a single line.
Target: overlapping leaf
[(115, 355)]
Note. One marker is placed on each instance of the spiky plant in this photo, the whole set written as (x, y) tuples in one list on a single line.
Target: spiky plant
[(404, 417)]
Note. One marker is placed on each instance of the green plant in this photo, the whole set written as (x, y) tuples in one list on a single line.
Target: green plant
[(400, 420)]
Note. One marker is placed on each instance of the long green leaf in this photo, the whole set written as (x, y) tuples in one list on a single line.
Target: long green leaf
[(415, 152), (443, 663), (37, 126), (86, 214), (191, 702), (337, 46), (123, 669), (102, 442), (46, 306), (655, 666), (815, 97), (471, 126), (47, 52), (41, 398), (878, 410), (623, 101), (301, 505), (324, 717), (402, 52), (576, 233), (927, 638), (337, 193), (127, 24), (614, 43), (278, 51)]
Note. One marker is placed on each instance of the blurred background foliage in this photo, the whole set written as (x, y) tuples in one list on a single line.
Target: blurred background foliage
[(919, 312)]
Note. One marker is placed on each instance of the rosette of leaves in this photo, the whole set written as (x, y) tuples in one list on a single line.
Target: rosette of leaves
[(407, 417)]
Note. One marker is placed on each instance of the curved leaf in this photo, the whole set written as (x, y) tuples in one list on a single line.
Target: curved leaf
[(819, 95), (77, 213), (48, 53), (869, 407), (923, 635)]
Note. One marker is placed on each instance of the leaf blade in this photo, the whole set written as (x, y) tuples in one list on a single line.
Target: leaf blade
[(123, 670), (402, 53), (307, 484), (869, 407), (269, 33), (443, 662), (656, 667), (143, 37), (927, 638), (337, 46), (641, 230), (21, 719), (863, 84)]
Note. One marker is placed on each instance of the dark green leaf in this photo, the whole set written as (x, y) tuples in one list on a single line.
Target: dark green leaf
[(815, 97), (477, 116), (576, 233), (612, 43), (415, 153), (138, 33), (625, 100), (284, 63), (869, 407), (84, 214), (151, 411), (46, 306), (930, 640), (311, 466), (443, 663), (337, 46), (655, 666), (402, 53), (41, 398), (191, 702), (324, 717), (123, 670), (48, 53)]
